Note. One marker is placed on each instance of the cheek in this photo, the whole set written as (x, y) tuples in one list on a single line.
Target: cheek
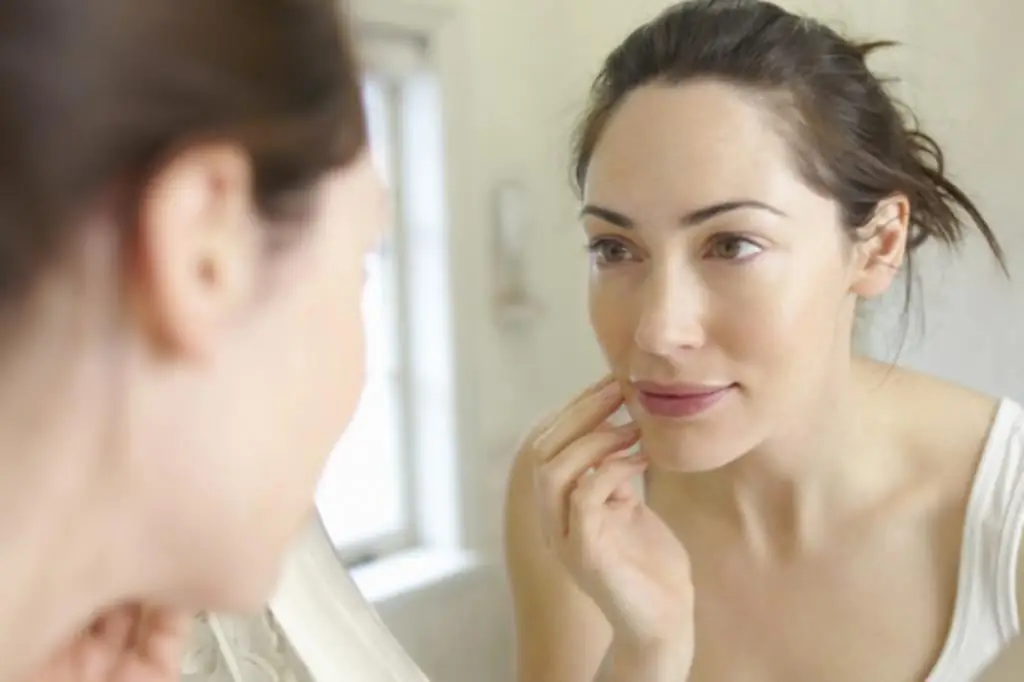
[(348, 227), (762, 322), (322, 365), (610, 300), (339, 334), (350, 332), (778, 318)]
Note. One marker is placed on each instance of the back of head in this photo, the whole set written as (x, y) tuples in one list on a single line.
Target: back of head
[(96, 95), (851, 139)]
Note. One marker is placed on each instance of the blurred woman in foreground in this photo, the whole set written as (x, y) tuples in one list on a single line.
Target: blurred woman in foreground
[(185, 205)]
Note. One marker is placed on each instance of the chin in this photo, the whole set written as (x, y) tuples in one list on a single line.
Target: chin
[(690, 450), (241, 574), (248, 590), (687, 463)]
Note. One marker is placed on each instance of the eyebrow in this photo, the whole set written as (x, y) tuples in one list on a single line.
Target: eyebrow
[(692, 218)]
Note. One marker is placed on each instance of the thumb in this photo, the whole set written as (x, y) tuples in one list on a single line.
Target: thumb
[(156, 646)]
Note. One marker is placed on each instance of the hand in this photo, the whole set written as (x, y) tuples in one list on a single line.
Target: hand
[(615, 547), (128, 644)]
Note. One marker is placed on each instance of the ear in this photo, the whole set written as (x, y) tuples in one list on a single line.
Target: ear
[(881, 247), (198, 247)]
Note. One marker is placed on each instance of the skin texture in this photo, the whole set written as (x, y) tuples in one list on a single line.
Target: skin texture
[(196, 383), (759, 297), (818, 505)]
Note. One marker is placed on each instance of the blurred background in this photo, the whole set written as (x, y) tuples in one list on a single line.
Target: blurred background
[(476, 307)]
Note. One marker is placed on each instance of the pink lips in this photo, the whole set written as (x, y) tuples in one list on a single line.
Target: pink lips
[(677, 401)]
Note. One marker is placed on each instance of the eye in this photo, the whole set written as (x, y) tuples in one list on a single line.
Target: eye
[(734, 248), (606, 251)]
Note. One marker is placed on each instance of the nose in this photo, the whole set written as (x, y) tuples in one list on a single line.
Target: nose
[(671, 313)]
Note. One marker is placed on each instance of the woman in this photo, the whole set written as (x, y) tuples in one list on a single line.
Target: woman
[(807, 514), (185, 205)]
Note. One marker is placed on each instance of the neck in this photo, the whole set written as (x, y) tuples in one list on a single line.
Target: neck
[(783, 496), (51, 581), (63, 536)]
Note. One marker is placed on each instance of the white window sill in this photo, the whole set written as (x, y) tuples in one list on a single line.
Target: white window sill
[(411, 571)]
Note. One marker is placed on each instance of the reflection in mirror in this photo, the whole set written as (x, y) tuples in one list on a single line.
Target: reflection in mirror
[(748, 180), (859, 479)]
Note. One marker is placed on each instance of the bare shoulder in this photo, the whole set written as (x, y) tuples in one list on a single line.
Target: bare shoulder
[(561, 636), (951, 427), (943, 424)]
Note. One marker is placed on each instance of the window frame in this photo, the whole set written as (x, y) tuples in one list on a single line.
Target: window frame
[(427, 58), (391, 59)]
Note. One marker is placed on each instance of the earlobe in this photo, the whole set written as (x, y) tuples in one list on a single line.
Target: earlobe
[(197, 247), (882, 247)]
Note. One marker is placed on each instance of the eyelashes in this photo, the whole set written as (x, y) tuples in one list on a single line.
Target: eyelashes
[(606, 251), (735, 248), (728, 247)]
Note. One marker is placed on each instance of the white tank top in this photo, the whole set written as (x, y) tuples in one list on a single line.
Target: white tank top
[(985, 616)]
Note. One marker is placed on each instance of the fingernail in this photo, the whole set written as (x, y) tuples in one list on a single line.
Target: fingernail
[(630, 429)]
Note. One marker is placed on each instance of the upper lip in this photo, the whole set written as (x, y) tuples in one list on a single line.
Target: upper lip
[(678, 390)]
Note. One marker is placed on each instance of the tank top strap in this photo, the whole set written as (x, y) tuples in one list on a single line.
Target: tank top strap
[(986, 617)]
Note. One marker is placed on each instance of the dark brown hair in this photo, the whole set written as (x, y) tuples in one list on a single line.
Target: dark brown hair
[(99, 93), (851, 138)]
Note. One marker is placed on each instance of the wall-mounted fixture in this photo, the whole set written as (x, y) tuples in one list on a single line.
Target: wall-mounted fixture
[(515, 306)]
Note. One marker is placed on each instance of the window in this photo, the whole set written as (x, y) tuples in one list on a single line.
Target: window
[(382, 488)]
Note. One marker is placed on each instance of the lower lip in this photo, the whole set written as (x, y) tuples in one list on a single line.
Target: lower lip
[(681, 406)]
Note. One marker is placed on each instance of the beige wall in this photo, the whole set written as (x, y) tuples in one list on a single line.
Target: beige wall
[(521, 73)]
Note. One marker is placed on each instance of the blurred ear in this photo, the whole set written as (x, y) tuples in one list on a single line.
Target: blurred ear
[(198, 247), (881, 247)]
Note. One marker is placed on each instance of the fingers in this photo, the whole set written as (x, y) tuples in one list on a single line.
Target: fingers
[(610, 481), (114, 626), (544, 425), (581, 417), (556, 475), (559, 476), (168, 635)]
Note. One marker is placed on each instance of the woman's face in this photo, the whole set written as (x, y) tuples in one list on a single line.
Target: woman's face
[(261, 373), (720, 285)]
